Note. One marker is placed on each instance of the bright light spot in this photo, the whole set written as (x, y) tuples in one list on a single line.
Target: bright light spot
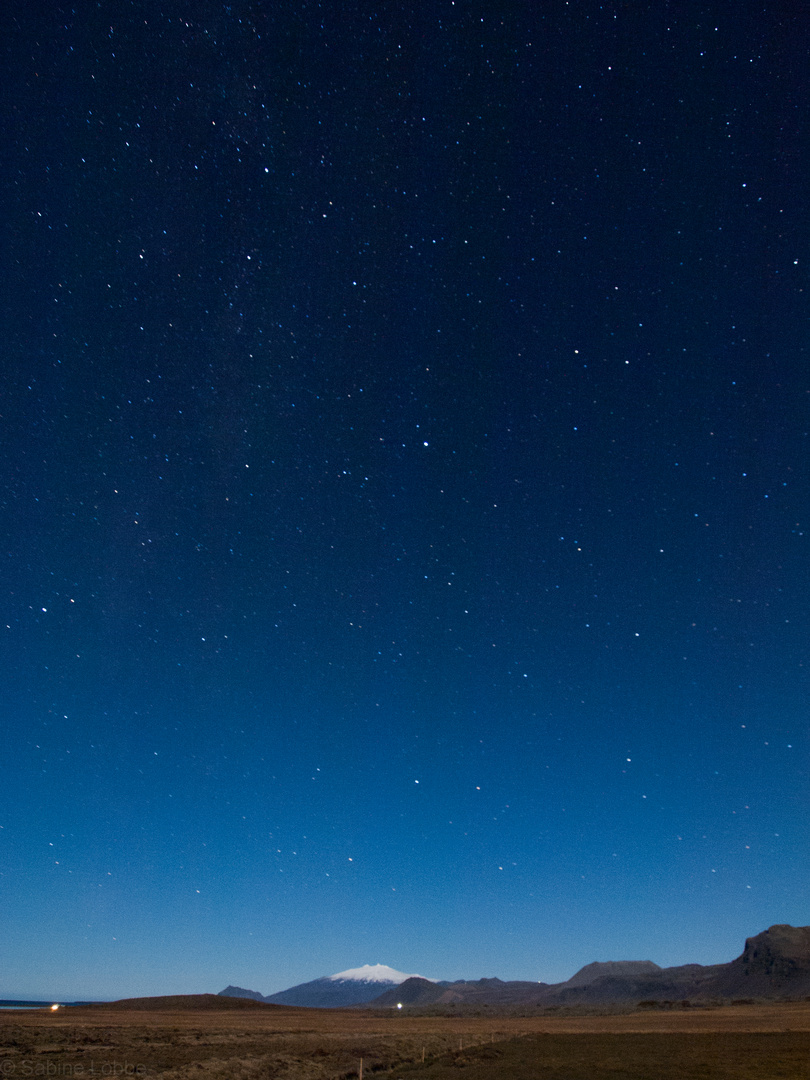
[(54, 1008), (399, 1004)]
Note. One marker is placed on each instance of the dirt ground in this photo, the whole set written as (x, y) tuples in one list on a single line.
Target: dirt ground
[(740, 1042)]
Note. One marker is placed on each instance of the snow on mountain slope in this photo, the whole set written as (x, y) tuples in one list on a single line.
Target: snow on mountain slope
[(374, 973)]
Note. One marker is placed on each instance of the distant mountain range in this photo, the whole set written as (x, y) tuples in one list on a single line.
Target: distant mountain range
[(774, 964)]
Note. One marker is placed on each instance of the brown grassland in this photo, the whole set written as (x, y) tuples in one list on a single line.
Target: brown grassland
[(175, 1040)]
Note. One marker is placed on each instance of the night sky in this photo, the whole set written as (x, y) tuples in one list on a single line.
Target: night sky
[(404, 489)]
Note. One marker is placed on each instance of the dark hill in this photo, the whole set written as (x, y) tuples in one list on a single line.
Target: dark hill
[(615, 968), (412, 991), (184, 1002), (478, 992)]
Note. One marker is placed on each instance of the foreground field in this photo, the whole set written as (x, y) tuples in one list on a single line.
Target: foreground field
[(742, 1042)]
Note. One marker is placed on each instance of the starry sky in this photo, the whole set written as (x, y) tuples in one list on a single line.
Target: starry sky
[(404, 489)]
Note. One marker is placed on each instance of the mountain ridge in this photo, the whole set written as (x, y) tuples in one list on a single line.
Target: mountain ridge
[(773, 963)]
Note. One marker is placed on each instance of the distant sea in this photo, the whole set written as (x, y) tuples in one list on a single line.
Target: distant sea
[(14, 1003), (25, 1004)]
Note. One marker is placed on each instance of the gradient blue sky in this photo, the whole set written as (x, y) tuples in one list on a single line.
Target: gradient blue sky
[(405, 497)]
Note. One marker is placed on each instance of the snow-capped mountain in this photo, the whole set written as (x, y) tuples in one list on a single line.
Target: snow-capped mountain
[(376, 973), (353, 987), (356, 986)]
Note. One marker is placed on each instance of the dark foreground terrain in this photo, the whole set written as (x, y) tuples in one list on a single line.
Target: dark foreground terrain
[(743, 1056), (194, 1037)]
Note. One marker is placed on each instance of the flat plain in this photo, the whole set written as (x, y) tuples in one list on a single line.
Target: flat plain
[(176, 1039)]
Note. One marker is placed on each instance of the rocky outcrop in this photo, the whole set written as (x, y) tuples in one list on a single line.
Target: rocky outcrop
[(782, 952)]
